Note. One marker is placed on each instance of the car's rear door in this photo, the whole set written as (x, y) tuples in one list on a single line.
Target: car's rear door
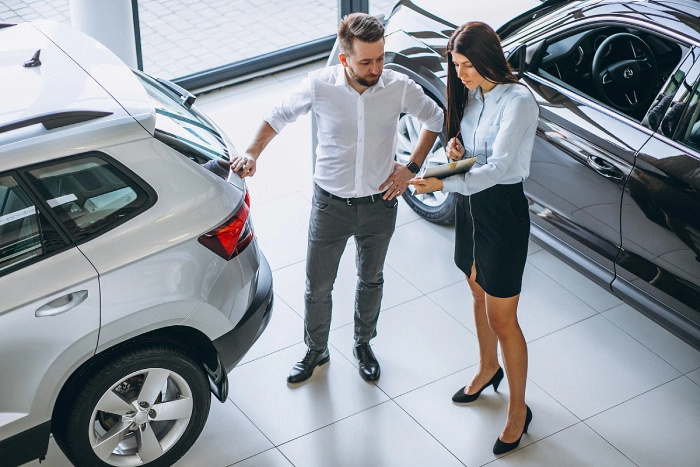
[(49, 317), (659, 264)]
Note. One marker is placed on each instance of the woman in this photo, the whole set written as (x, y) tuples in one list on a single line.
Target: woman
[(497, 118)]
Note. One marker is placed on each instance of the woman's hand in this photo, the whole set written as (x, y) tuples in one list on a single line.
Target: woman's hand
[(426, 185), (455, 150)]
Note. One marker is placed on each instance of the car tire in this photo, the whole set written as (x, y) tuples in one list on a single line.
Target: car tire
[(437, 207), (144, 406)]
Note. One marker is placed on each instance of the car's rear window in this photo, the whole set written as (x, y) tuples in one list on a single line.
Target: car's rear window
[(186, 130), (88, 194)]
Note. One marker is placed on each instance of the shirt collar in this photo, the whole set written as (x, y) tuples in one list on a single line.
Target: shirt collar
[(494, 94), (342, 79), (497, 92)]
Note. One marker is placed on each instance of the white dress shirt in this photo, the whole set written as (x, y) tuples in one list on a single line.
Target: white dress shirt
[(357, 133), (503, 123)]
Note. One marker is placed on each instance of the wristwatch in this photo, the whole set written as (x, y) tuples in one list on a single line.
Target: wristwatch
[(412, 166)]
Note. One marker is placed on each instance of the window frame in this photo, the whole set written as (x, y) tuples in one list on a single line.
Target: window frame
[(541, 42), (55, 225), (151, 195)]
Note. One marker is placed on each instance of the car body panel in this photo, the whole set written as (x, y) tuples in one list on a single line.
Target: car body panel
[(105, 68), (177, 265), (53, 345), (570, 193), (22, 85)]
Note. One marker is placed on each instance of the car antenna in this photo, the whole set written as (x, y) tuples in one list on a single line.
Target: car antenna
[(34, 61)]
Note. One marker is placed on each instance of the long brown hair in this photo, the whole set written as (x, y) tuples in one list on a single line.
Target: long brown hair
[(481, 45)]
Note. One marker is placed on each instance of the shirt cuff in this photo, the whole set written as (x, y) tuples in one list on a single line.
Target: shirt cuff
[(454, 184), (274, 121)]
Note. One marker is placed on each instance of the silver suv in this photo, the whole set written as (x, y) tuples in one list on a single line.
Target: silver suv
[(131, 281)]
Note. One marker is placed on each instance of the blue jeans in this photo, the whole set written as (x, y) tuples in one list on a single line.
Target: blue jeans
[(331, 224)]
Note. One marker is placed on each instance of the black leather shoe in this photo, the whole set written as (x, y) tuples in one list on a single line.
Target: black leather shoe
[(369, 366), (305, 368), (463, 398), (501, 448)]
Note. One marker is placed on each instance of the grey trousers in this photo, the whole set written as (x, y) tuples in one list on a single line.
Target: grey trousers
[(331, 224)]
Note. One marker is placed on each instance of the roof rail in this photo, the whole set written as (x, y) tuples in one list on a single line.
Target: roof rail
[(54, 120), (6, 25)]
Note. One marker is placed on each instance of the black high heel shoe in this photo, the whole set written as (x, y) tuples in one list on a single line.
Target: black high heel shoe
[(463, 398), (501, 448)]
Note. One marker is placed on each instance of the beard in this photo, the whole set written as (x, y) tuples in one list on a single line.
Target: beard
[(367, 81)]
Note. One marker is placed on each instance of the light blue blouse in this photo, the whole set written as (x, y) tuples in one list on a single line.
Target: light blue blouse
[(499, 129)]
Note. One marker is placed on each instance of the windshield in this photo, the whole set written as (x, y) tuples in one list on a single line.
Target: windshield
[(183, 129)]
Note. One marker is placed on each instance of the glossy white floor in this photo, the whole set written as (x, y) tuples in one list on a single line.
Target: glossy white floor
[(607, 387)]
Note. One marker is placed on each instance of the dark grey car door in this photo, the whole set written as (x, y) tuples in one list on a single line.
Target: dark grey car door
[(583, 154), (659, 263)]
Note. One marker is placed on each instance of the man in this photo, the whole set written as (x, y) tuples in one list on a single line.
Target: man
[(357, 182)]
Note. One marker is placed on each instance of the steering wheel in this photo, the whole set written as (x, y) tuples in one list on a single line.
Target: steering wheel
[(624, 83)]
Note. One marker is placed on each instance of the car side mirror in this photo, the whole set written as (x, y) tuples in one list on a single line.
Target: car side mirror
[(517, 58)]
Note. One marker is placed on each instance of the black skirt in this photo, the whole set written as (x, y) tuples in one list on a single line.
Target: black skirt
[(492, 228)]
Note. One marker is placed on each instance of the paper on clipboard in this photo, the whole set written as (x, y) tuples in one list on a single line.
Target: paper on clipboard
[(449, 169)]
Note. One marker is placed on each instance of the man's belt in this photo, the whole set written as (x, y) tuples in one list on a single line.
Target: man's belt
[(350, 201)]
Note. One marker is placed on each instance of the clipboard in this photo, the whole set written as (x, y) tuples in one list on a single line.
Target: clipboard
[(449, 169)]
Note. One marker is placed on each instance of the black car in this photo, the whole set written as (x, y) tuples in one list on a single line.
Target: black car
[(615, 173)]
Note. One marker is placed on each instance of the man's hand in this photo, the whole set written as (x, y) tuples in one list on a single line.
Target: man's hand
[(397, 183), (426, 185), (244, 165)]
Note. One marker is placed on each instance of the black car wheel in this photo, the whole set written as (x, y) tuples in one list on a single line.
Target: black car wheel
[(437, 207), (146, 406)]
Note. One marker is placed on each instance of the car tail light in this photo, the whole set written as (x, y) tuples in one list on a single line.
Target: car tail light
[(233, 236)]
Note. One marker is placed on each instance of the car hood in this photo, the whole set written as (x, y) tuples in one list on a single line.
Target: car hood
[(496, 14)]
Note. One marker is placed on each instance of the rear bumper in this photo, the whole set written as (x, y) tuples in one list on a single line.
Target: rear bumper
[(233, 345)]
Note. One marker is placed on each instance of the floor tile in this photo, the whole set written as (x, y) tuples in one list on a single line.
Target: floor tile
[(657, 428), (470, 430), (416, 343), (680, 355), (286, 328), (383, 436), (576, 446), (546, 306), (405, 214), (694, 376), (290, 285), (533, 247), (269, 458), (283, 412), (281, 228), (423, 253), (593, 365), (217, 447), (456, 299), (593, 295)]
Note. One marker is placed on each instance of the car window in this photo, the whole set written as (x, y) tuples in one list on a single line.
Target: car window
[(88, 194), (185, 130), (619, 67), (25, 233), (673, 96), (681, 120)]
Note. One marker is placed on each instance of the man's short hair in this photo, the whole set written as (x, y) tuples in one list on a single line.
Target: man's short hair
[(360, 26)]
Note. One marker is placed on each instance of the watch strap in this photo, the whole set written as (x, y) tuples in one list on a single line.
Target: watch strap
[(412, 166)]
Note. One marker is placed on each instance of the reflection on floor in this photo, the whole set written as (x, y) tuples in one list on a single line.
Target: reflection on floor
[(607, 386)]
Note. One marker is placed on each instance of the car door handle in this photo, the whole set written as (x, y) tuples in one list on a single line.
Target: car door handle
[(62, 304), (604, 167)]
